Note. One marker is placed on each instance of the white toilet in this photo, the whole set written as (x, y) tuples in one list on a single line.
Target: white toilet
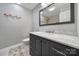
[(26, 41)]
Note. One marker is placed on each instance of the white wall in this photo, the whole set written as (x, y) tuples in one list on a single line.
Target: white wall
[(78, 19), (70, 29), (12, 30)]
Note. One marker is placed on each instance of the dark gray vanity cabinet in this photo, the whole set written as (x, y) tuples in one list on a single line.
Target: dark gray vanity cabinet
[(35, 45), (32, 45), (45, 47), (55, 50), (40, 46), (58, 49)]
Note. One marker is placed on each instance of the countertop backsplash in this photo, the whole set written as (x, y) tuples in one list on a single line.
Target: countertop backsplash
[(67, 32)]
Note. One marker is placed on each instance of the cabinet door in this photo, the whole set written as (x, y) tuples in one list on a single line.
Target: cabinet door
[(45, 47), (56, 49), (38, 47), (62, 49), (55, 52), (32, 44), (35, 45)]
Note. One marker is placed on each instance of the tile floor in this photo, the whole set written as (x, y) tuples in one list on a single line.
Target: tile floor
[(4, 51)]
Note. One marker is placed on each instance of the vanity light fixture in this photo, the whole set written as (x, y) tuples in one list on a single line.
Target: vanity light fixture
[(51, 9)]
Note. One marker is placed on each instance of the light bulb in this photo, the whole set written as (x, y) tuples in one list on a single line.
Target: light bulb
[(51, 9)]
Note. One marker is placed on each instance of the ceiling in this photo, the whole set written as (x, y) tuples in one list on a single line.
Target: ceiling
[(30, 6)]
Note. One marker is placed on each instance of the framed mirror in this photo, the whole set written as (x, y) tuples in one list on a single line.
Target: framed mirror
[(57, 13)]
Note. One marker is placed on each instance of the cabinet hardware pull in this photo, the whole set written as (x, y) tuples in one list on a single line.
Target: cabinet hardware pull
[(59, 51)]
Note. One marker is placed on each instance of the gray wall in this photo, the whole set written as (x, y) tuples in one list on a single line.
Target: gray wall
[(69, 29), (78, 19), (12, 30)]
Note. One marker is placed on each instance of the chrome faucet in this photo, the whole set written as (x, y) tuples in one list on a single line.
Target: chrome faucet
[(50, 31)]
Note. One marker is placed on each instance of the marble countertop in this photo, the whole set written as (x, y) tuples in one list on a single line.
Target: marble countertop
[(69, 40)]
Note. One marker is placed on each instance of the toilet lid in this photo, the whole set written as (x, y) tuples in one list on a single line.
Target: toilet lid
[(27, 39)]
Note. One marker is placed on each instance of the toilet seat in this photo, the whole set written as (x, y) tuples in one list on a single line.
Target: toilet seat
[(26, 41)]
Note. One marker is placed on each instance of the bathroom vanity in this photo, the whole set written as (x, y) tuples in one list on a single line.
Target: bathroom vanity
[(51, 44)]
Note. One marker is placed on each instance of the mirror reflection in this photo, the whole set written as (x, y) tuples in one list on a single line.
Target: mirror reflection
[(55, 13)]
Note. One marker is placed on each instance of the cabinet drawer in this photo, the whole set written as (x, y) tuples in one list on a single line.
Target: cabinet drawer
[(66, 50), (55, 52)]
